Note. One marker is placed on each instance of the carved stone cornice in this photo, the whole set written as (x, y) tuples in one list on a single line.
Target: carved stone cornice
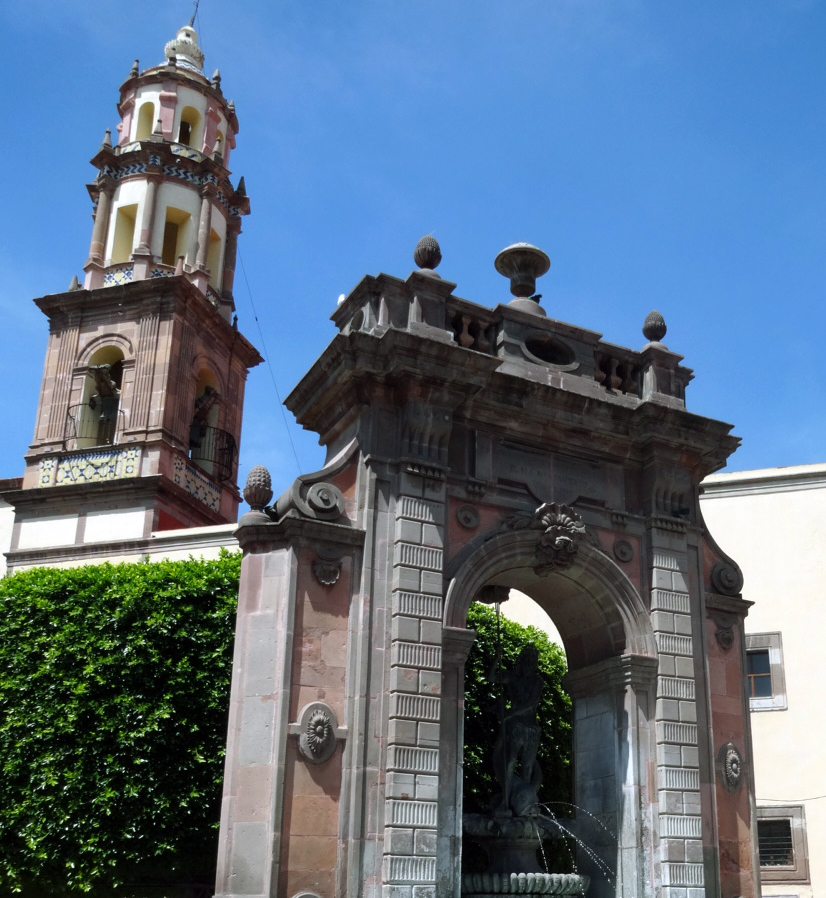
[(637, 671), (727, 604), (256, 535)]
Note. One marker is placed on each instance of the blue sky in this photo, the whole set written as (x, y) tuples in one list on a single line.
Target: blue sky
[(667, 155)]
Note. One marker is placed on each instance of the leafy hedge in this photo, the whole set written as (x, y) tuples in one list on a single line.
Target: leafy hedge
[(114, 685), (114, 689)]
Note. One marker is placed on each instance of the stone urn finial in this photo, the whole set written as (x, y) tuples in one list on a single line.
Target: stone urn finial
[(258, 490), (654, 328), (428, 253), (523, 264)]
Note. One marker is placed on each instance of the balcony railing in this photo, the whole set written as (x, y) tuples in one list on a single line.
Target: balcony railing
[(98, 422), (213, 450)]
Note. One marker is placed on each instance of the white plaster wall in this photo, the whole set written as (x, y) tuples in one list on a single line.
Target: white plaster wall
[(55, 530), (773, 524), (172, 545), (123, 523), (6, 527)]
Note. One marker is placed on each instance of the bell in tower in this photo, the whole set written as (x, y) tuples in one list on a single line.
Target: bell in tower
[(139, 419)]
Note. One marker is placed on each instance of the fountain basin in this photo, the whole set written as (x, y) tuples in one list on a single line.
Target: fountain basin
[(484, 884)]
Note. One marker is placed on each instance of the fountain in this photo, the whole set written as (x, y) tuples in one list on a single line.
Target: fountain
[(515, 827)]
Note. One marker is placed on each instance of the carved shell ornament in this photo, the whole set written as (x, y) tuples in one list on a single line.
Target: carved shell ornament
[(562, 533), (319, 731), (559, 543)]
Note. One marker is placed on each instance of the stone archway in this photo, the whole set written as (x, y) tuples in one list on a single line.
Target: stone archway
[(612, 660)]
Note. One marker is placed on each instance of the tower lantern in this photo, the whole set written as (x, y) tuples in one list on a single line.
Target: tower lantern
[(139, 419), (164, 201)]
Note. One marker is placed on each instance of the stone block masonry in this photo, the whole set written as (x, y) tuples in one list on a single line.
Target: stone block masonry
[(678, 770), (409, 864)]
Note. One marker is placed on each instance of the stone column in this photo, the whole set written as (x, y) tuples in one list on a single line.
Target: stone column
[(201, 276), (228, 276), (143, 252), (100, 231)]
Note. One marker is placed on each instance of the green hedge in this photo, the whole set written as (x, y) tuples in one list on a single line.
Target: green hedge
[(114, 685), (114, 689)]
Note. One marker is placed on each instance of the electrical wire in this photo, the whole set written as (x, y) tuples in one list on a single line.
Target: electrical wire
[(792, 800), (267, 360)]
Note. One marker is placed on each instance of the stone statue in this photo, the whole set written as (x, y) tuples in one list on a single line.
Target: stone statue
[(514, 755)]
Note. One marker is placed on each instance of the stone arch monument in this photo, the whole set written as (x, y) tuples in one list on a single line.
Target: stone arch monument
[(470, 451)]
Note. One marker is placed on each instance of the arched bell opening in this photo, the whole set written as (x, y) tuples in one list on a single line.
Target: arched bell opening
[(612, 663), (98, 419)]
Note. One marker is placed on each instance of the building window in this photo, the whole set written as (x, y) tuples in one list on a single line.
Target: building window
[(766, 682), (774, 838), (781, 838)]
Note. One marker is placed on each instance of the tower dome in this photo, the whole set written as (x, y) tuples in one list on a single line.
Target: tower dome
[(185, 50)]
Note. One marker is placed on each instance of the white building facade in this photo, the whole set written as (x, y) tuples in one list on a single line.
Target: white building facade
[(773, 522)]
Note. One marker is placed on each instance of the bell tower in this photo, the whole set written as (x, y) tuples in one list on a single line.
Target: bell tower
[(139, 419)]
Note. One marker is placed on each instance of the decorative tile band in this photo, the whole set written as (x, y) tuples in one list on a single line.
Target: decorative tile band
[(115, 277), (673, 645), (420, 556), (411, 813), (679, 778), (681, 733), (414, 707), (666, 600), (680, 827), (419, 510), (417, 605), (90, 467), (682, 874), (413, 654), (398, 868), (196, 484), (675, 687), (413, 760)]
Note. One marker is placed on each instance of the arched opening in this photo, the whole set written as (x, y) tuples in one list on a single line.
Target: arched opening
[(175, 235), (612, 671), (189, 128), (212, 449), (124, 239), (146, 121), (98, 420), (517, 733)]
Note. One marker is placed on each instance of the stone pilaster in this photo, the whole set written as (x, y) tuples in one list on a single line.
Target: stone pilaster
[(409, 863), (678, 765)]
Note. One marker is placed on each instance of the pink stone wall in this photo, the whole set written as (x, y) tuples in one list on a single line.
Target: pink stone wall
[(312, 793), (727, 679)]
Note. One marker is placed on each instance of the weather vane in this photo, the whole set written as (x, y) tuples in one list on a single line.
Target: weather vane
[(192, 20)]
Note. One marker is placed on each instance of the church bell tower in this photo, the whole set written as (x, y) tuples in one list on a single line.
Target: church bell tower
[(139, 419)]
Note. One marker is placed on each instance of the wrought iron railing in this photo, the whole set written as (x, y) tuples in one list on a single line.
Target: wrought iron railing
[(213, 450), (98, 422)]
